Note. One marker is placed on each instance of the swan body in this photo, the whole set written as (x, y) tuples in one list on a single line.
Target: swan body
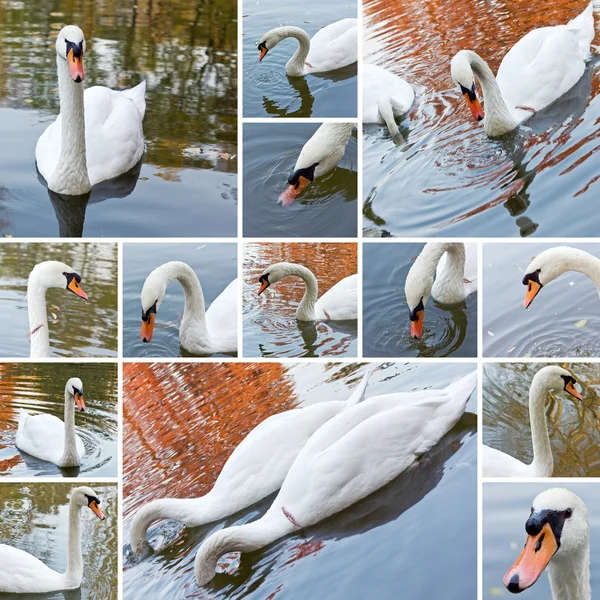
[(557, 539), (332, 47), (337, 304), (201, 331), (499, 464), (255, 469), (46, 275), (351, 456), (98, 135), (447, 271), (22, 573), (537, 70), (48, 438)]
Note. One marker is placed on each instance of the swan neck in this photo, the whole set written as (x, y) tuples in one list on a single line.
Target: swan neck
[(543, 462), (581, 262), (70, 456), (306, 308), (74, 572), (569, 575), (38, 318), (449, 284), (296, 66)]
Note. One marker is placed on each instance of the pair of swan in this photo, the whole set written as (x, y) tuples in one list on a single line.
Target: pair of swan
[(558, 536), (22, 573), (446, 271), (97, 135), (499, 464), (48, 438)]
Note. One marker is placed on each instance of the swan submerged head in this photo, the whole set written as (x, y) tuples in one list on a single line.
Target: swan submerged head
[(70, 46), (417, 290), (85, 496), (54, 274), (75, 389), (152, 295), (462, 74)]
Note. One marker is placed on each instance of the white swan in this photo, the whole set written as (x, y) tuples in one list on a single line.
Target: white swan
[(349, 457), (386, 97), (537, 70), (97, 135), (332, 47), (454, 266), (339, 303), (22, 573), (320, 155), (255, 469), (552, 263), (46, 275), (47, 437), (557, 538), (499, 464), (200, 332)]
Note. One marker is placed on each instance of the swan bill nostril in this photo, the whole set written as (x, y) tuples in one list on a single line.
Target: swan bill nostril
[(147, 328), (79, 402), (96, 510), (475, 107), (416, 325), (264, 284), (263, 51), (533, 288)]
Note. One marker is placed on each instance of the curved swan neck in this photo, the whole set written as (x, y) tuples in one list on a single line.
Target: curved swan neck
[(70, 457), (543, 461), (573, 259), (74, 573), (449, 285), (306, 308), (296, 65), (38, 319), (569, 575)]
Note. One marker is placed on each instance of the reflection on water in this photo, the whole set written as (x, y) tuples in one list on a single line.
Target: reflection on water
[(454, 179), (562, 320), (573, 425), (326, 208), (270, 325), (77, 328), (355, 554), (35, 519)]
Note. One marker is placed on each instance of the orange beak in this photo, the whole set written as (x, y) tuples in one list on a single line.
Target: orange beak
[(292, 192), (76, 289), (263, 53), (532, 291), (79, 402), (416, 327), (96, 510), (475, 107), (147, 328), (571, 389), (76, 66), (264, 284)]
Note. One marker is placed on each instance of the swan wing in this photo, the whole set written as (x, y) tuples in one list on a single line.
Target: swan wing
[(42, 436), (138, 95), (340, 302), (498, 464), (20, 572), (380, 85), (221, 318), (333, 47)]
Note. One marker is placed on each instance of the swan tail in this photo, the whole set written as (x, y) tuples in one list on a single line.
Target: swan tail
[(463, 386), (137, 95), (358, 395)]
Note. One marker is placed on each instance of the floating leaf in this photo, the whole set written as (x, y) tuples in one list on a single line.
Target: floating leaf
[(54, 316), (511, 349), (581, 323), (527, 355), (28, 100), (492, 334), (496, 592)]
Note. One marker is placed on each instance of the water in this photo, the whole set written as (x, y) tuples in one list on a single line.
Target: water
[(572, 424), (77, 328), (326, 209), (270, 325), (40, 388), (354, 554), (506, 507), (35, 518), (450, 179), (268, 91), (187, 55), (561, 321), (447, 330), (214, 264)]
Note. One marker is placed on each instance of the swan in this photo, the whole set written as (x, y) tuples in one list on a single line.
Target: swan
[(46, 275), (48, 438), (552, 263), (337, 304), (499, 464), (22, 573), (537, 70), (255, 469), (97, 135), (201, 331), (386, 97), (320, 155), (454, 266), (557, 538), (332, 47), (351, 456)]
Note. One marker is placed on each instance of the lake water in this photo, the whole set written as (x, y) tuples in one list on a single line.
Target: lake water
[(187, 185), (268, 91), (378, 548), (450, 179), (214, 264), (270, 325), (77, 328), (562, 320), (327, 208), (40, 389)]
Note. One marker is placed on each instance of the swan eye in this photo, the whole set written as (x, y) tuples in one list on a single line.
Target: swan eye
[(469, 92), (150, 311), (568, 513)]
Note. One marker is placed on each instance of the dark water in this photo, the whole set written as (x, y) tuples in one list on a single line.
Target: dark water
[(40, 388), (214, 264), (562, 320), (268, 91), (573, 425), (506, 507), (450, 179), (77, 328), (186, 52), (327, 208), (379, 548), (447, 330), (35, 518)]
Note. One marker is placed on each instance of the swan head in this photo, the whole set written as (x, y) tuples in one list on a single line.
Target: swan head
[(70, 46), (462, 74), (557, 378), (54, 274), (85, 496), (272, 275), (75, 390), (269, 41), (417, 290), (557, 527), (153, 294)]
